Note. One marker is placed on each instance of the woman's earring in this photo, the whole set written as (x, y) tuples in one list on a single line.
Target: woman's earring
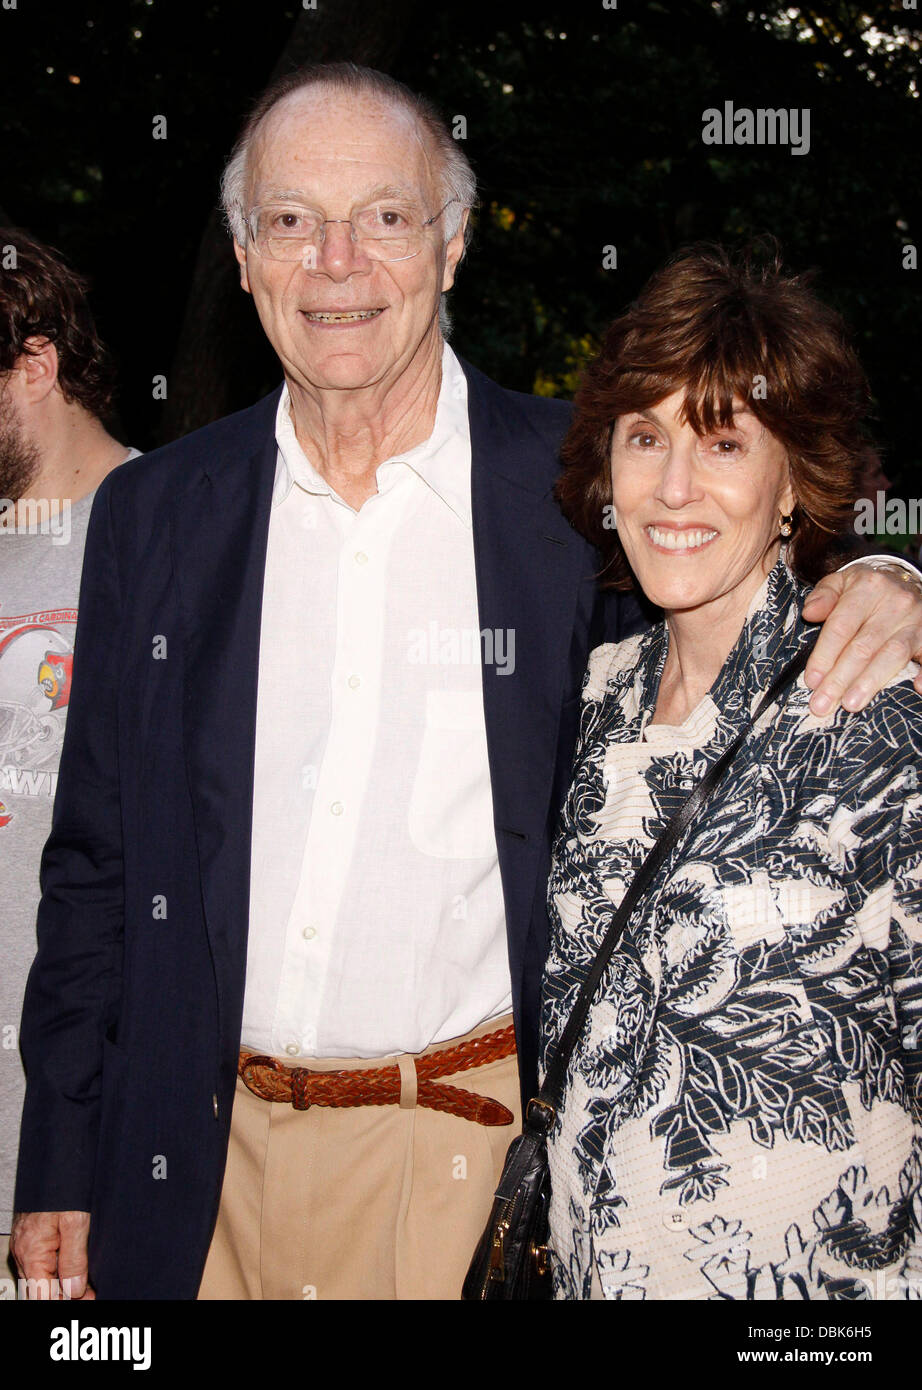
[(786, 520)]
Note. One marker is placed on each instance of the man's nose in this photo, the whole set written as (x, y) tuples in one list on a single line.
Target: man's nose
[(339, 254)]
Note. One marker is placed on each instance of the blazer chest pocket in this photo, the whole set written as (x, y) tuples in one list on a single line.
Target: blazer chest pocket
[(451, 806)]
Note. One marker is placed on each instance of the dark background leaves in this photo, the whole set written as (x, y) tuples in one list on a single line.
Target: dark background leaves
[(583, 124)]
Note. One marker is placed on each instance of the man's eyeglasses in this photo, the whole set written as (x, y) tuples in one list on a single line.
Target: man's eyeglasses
[(289, 232)]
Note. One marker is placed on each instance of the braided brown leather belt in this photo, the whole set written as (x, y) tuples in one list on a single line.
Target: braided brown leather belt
[(271, 1079)]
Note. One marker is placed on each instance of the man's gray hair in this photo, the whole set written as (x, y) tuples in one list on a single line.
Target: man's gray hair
[(455, 173)]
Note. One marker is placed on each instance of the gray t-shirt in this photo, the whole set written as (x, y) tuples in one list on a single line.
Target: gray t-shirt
[(39, 589)]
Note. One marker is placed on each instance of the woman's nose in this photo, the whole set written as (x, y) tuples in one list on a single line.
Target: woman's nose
[(678, 481)]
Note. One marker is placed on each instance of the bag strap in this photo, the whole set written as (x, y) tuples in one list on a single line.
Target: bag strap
[(548, 1098)]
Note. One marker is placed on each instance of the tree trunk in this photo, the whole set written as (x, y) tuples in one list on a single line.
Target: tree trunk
[(222, 360)]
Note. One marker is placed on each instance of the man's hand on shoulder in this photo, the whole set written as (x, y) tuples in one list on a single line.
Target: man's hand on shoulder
[(872, 627), (50, 1250)]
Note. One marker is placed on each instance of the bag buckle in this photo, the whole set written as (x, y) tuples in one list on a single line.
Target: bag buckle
[(542, 1122)]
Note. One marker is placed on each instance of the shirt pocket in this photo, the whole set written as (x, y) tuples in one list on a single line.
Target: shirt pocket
[(451, 804)]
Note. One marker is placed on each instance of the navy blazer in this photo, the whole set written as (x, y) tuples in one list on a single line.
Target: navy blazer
[(132, 1015)]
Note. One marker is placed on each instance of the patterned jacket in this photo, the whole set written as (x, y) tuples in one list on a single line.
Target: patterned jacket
[(743, 1118)]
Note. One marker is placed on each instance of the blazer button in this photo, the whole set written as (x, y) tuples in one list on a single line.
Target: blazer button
[(214, 1104)]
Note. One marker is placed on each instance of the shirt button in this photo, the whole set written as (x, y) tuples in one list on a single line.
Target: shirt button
[(675, 1220), (336, 809), (361, 558), (292, 1049), (214, 1104), (354, 682), (309, 933)]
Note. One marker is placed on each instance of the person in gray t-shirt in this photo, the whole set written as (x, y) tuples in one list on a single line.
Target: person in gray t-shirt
[(55, 389)]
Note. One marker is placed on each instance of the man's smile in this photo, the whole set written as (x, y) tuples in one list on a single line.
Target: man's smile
[(341, 317)]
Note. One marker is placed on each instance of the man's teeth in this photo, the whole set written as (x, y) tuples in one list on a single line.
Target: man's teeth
[(320, 317), (680, 540)]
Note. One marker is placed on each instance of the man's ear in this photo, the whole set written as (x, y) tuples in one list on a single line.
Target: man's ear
[(240, 253), (454, 251), (39, 366)]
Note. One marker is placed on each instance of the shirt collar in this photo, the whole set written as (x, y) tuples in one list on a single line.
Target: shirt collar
[(442, 461)]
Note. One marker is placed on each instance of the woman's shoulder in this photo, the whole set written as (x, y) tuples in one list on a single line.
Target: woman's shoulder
[(609, 661), (888, 730), (899, 694), (897, 704)]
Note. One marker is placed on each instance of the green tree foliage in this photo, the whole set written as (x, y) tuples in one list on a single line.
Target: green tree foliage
[(584, 124)]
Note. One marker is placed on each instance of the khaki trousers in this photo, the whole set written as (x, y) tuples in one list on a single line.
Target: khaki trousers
[(368, 1202)]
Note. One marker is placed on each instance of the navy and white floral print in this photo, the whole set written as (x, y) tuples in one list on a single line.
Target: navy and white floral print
[(743, 1117)]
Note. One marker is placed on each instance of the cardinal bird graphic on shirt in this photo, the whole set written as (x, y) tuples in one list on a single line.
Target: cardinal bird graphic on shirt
[(5, 816), (36, 672), (54, 677)]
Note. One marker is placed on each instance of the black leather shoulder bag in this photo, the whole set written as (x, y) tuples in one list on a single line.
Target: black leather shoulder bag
[(511, 1260)]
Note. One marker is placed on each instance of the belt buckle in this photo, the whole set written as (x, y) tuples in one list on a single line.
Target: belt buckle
[(256, 1060)]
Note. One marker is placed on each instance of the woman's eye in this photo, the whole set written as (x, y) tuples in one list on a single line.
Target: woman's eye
[(727, 446), (643, 438)]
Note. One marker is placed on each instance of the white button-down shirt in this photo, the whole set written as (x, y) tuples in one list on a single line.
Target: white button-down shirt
[(376, 909)]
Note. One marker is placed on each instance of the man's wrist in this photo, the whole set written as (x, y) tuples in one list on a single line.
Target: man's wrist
[(897, 568)]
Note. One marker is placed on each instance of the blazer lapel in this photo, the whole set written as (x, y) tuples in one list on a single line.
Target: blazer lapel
[(530, 565), (220, 532)]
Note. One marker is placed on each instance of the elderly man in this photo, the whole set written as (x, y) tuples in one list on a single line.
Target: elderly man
[(294, 893)]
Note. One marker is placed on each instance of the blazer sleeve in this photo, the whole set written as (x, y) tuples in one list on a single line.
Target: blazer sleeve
[(74, 985)]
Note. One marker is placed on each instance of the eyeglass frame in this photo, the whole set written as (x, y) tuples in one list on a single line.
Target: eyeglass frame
[(247, 216)]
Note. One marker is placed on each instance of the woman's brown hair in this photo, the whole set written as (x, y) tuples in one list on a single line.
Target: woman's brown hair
[(725, 329)]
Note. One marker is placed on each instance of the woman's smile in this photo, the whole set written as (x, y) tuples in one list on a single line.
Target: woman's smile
[(679, 540)]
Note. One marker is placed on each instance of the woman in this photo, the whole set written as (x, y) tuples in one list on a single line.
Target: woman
[(743, 1115)]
